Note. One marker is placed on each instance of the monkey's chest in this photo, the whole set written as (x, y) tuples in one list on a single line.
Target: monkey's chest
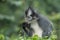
[(37, 30)]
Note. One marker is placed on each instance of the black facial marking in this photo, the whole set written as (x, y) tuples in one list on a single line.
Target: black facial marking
[(26, 12)]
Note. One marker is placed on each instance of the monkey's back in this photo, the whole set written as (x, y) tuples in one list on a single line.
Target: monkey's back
[(46, 25)]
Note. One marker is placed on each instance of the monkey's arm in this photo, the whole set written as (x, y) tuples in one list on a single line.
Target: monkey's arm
[(27, 29)]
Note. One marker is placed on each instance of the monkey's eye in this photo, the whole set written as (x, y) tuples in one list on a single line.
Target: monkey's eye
[(32, 15), (29, 18)]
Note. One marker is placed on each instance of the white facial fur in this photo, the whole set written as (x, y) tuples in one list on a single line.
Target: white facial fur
[(28, 18), (29, 12)]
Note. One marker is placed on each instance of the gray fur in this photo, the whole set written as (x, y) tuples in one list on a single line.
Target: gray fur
[(43, 23)]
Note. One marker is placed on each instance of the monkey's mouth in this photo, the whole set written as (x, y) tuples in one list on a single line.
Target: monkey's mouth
[(28, 19)]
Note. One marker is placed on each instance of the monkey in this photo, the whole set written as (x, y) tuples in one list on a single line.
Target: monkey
[(36, 24)]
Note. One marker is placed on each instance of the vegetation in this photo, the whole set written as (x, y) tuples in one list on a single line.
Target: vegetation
[(12, 12)]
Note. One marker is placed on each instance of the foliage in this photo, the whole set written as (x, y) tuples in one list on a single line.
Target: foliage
[(14, 37), (12, 13)]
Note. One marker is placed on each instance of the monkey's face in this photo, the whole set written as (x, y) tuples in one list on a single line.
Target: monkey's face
[(30, 15)]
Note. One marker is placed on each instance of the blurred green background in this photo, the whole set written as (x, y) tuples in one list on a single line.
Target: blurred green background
[(12, 12)]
